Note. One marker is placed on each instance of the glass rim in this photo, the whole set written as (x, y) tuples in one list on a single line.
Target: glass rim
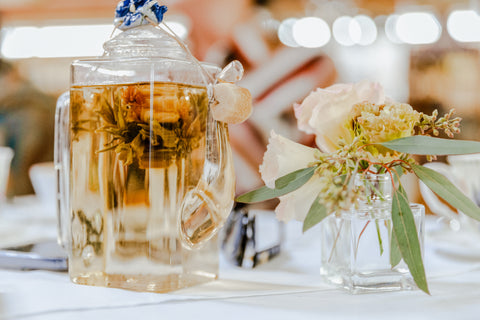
[(154, 59), (381, 177), (416, 208), (126, 66), (414, 205)]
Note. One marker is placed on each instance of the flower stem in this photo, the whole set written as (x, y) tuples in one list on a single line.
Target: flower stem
[(360, 236), (380, 243), (335, 242)]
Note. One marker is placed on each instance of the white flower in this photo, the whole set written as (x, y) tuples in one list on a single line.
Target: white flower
[(284, 156), (325, 112), (296, 204)]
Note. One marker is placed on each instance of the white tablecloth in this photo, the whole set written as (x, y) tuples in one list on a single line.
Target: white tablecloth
[(288, 287)]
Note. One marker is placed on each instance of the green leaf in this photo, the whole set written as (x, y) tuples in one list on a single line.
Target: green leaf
[(398, 175), (282, 182), (315, 215), (295, 180), (407, 238), (447, 191), (425, 145), (395, 254), (379, 236)]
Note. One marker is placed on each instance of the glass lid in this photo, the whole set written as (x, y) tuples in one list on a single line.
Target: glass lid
[(144, 34)]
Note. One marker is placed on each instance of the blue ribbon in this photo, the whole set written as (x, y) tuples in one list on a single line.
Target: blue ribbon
[(133, 13)]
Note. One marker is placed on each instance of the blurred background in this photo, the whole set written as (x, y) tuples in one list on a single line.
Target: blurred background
[(425, 52)]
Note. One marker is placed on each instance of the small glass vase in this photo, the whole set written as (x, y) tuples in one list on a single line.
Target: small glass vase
[(357, 251)]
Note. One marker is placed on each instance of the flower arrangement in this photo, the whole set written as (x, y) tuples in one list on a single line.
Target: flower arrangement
[(360, 131)]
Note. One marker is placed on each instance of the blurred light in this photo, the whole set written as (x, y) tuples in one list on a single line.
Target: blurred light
[(19, 42), (418, 28), (391, 28), (285, 32), (355, 31), (358, 30), (341, 30), (271, 24), (63, 41), (464, 26), (368, 30), (54, 41), (311, 32), (181, 24)]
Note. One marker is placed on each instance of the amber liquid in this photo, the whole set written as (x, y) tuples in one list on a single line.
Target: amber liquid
[(136, 150)]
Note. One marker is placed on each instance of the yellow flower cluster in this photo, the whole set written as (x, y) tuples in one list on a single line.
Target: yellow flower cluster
[(380, 123)]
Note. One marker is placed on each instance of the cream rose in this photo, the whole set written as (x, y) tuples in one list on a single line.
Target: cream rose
[(282, 157), (325, 112), (296, 204)]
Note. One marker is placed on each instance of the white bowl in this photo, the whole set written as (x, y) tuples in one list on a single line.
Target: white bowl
[(6, 155), (42, 176)]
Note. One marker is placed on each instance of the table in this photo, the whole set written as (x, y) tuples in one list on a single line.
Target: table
[(288, 287)]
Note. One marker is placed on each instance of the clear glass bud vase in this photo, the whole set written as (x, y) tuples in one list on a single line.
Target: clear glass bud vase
[(359, 251)]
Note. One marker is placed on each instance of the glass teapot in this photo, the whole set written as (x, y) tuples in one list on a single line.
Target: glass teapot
[(145, 172)]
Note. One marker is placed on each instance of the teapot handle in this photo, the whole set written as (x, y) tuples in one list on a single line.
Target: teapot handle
[(205, 208), (62, 167)]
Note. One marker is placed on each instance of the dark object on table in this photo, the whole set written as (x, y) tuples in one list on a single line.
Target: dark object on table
[(43, 256), (252, 237)]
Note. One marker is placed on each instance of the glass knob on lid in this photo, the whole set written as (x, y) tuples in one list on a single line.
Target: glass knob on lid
[(233, 104), (142, 34)]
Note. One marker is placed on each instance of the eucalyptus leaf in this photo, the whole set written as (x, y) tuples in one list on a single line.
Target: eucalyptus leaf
[(425, 145), (398, 175), (282, 182), (407, 238), (395, 254), (447, 191), (300, 177), (315, 215)]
